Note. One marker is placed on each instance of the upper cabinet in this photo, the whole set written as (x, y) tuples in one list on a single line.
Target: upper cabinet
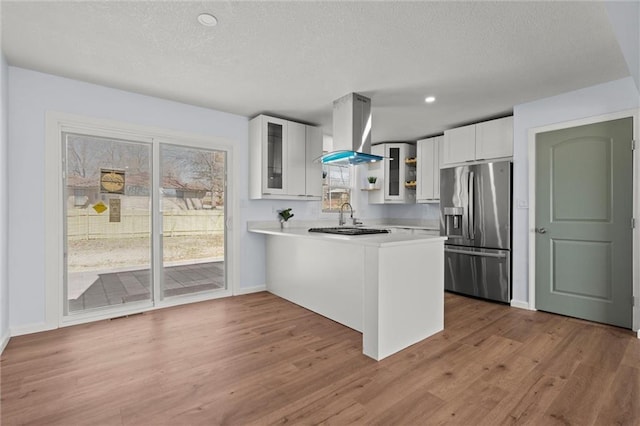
[(396, 174), (459, 145), (494, 139), (429, 158), (281, 159), (313, 172), (482, 141)]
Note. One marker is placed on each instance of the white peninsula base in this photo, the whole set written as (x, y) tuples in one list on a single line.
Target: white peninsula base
[(390, 288)]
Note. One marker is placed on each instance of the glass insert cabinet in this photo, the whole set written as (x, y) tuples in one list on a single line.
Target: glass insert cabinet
[(396, 174), (275, 142), (282, 159)]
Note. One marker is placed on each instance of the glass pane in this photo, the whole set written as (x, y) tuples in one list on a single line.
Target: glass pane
[(193, 218), (274, 156), (107, 222), (336, 189), (394, 171)]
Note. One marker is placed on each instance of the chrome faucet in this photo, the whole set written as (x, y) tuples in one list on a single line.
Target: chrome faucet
[(341, 220)]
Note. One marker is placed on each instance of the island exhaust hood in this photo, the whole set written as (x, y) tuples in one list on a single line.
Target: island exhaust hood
[(351, 131)]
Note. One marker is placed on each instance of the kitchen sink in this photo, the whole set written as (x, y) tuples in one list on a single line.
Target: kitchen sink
[(349, 230)]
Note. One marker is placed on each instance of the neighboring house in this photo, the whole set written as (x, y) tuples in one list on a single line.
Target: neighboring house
[(85, 191)]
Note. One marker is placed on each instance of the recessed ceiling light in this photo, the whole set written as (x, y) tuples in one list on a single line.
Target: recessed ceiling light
[(207, 19), (430, 99)]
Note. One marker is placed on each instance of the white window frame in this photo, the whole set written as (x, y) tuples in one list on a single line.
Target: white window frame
[(350, 187), (56, 124)]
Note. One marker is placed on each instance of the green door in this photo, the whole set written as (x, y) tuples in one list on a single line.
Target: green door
[(584, 195)]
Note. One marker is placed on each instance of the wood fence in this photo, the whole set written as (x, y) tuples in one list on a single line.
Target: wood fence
[(86, 224)]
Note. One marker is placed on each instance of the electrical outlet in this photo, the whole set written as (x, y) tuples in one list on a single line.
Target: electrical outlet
[(522, 204)]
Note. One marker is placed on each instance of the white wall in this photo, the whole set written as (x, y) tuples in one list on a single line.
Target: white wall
[(614, 96), (625, 20), (4, 205)]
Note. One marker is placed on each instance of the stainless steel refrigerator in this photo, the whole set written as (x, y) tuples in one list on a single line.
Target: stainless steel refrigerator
[(475, 215)]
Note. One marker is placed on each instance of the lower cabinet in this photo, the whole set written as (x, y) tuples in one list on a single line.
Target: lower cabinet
[(429, 159), (396, 174)]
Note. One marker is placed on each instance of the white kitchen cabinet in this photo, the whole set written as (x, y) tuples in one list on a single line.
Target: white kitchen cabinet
[(429, 158), (460, 144), (281, 159), (494, 139), (297, 160), (393, 174), (313, 170), (481, 141)]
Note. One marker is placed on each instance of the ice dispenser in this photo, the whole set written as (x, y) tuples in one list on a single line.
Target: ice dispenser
[(453, 221)]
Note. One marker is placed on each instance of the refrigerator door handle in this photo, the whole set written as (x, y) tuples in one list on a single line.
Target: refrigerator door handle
[(470, 208), (476, 253)]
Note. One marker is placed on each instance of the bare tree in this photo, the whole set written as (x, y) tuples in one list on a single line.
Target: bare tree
[(136, 157), (209, 170), (77, 158)]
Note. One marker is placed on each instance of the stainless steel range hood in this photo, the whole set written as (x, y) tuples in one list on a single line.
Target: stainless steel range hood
[(351, 131)]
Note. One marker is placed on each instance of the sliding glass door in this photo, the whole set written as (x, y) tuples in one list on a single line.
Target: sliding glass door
[(192, 184), (108, 222), (125, 249)]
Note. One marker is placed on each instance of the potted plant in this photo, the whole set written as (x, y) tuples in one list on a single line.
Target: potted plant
[(372, 182), (284, 216)]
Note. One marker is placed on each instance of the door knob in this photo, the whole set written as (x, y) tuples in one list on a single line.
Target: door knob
[(541, 230)]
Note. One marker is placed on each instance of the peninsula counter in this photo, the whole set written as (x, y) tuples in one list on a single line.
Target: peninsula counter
[(390, 286)]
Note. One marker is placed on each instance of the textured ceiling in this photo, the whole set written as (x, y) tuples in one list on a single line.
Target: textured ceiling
[(294, 58)]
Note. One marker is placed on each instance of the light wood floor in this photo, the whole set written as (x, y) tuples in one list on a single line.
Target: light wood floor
[(258, 359)]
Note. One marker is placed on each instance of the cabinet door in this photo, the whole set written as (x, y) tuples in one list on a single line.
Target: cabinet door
[(425, 169), (274, 132), (314, 168), (397, 172), (437, 162), (296, 159), (494, 139), (394, 165), (460, 144)]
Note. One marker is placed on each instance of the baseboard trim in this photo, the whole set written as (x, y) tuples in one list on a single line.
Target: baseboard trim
[(248, 290), (521, 305), (42, 326), (31, 328), (4, 341)]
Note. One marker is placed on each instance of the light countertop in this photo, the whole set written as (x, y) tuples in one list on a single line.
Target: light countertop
[(395, 237)]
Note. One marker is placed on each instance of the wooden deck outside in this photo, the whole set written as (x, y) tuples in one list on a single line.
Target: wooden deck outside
[(116, 288)]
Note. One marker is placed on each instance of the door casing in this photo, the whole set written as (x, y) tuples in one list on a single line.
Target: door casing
[(635, 114)]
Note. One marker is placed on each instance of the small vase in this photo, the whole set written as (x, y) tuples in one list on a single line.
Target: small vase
[(372, 186), (284, 224)]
